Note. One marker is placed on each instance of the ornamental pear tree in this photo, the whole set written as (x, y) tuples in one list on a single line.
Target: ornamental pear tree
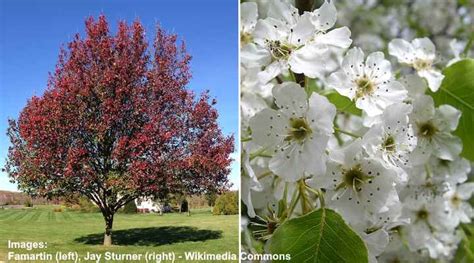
[(117, 122)]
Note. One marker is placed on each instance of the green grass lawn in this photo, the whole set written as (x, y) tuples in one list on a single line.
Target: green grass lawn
[(133, 233)]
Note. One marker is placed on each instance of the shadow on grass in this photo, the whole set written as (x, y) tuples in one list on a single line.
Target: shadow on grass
[(153, 236)]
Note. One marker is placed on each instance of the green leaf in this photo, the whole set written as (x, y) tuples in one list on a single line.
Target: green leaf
[(465, 252), (311, 86), (457, 90), (320, 236), (343, 104)]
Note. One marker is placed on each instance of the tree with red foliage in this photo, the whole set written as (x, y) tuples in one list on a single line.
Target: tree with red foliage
[(117, 122)]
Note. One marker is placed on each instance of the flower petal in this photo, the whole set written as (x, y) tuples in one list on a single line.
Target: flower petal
[(378, 68), (433, 77), (283, 10), (448, 118), (269, 29), (342, 84), (252, 55), (325, 16), (272, 70), (291, 99), (296, 159), (250, 104), (425, 48), (447, 146), (307, 60), (353, 63), (465, 190), (321, 113), (248, 15), (302, 31), (339, 37), (414, 84), (402, 50), (268, 127)]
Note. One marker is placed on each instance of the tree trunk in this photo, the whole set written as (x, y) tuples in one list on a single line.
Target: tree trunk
[(189, 207), (109, 221)]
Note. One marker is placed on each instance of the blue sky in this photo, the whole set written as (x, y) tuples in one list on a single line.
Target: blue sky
[(32, 31)]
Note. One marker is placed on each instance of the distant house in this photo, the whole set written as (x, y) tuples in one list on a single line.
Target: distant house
[(147, 205)]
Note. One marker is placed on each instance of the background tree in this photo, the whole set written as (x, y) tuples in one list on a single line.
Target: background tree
[(211, 197), (117, 122), (129, 208), (227, 204)]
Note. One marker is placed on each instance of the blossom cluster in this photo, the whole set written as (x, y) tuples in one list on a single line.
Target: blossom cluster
[(374, 24), (388, 161)]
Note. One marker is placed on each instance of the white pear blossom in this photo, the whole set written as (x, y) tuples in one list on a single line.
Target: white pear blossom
[(433, 128), (370, 84), (457, 198), (453, 172), (421, 186), (420, 54), (309, 60), (357, 184), (285, 40), (297, 132), (377, 226), (392, 140), (427, 218), (430, 178)]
